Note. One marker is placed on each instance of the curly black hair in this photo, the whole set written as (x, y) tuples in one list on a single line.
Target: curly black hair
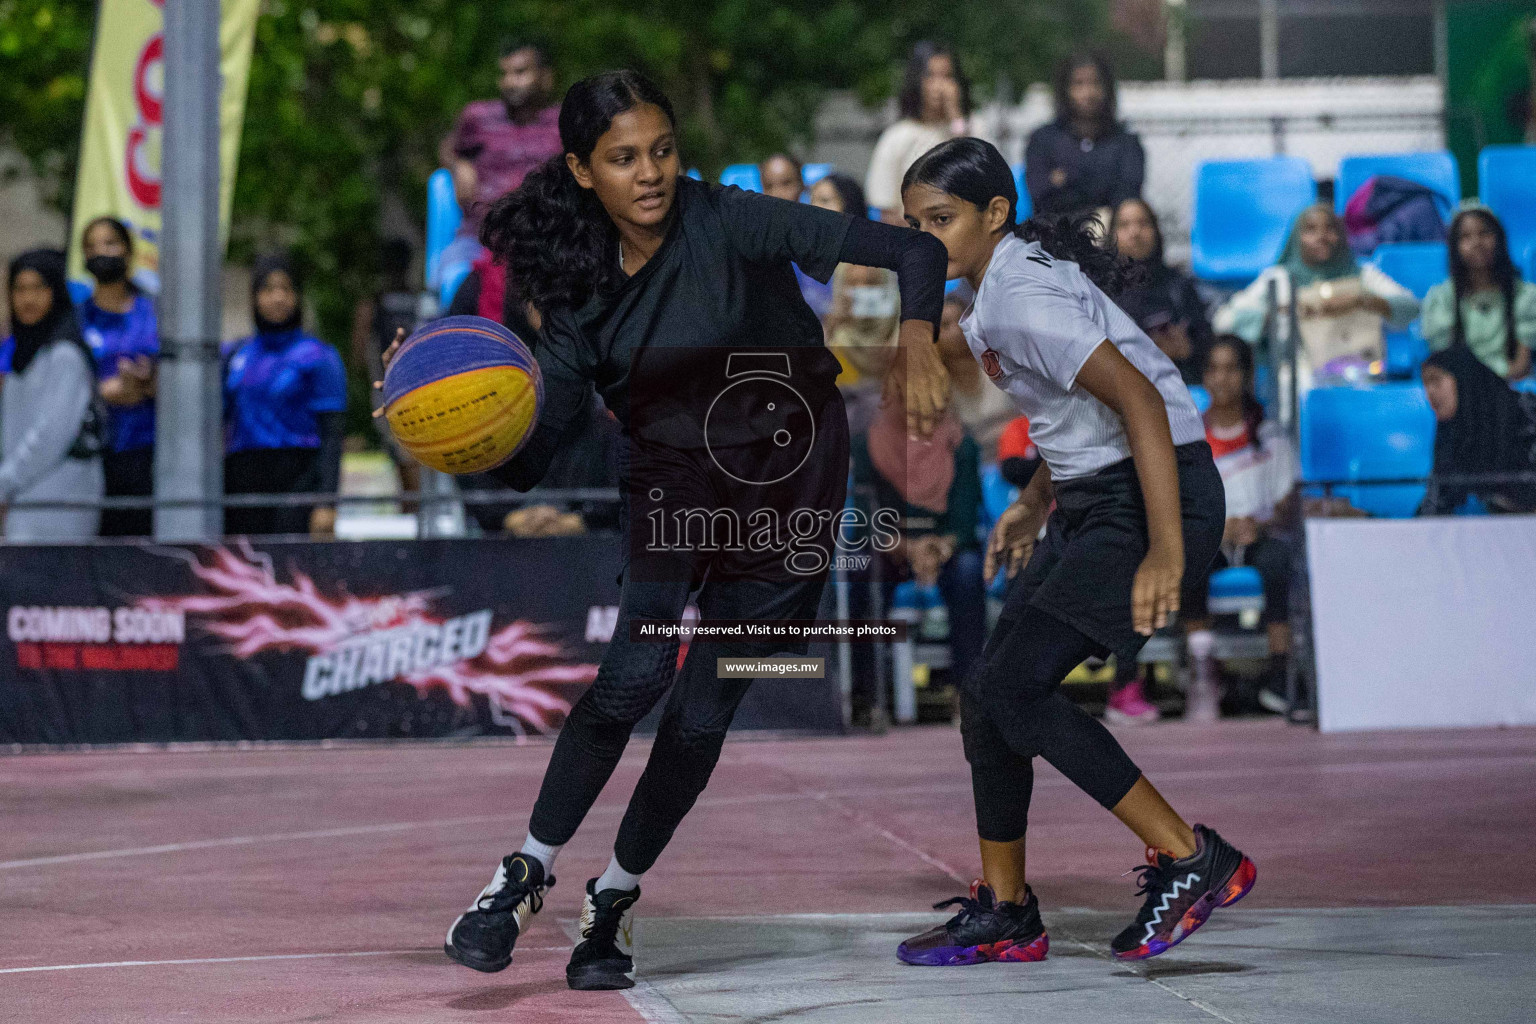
[(558, 243)]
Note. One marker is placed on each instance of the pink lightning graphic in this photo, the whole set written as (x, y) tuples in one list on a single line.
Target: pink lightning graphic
[(249, 609)]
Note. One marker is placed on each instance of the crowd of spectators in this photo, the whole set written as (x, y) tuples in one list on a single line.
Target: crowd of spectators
[(80, 379)]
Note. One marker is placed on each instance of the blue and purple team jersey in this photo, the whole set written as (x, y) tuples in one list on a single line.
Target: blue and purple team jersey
[(114, 336), (275, 388)]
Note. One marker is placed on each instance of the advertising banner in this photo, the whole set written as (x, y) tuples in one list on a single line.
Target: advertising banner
[(131, 643), (119, 172)]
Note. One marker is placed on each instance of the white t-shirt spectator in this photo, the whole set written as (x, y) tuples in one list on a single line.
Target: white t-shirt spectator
[(898, 149), (1033, 325), (1257, 476)]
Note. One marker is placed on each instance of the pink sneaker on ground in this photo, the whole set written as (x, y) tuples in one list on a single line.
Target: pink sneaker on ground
[(1129, 706)]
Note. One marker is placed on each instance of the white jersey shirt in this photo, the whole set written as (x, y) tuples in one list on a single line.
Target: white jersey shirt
[(1034, 323)]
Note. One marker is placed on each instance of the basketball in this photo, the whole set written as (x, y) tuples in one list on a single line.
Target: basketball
[(463, 394)]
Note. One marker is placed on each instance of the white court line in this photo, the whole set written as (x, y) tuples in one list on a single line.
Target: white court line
[(247, 959), (830, 797)]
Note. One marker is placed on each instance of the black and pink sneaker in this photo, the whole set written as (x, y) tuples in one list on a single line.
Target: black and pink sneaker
[(984, 931), (1182, 893)]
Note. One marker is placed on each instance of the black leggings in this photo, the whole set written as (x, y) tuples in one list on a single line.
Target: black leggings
[(633, 677), (1014, 709)]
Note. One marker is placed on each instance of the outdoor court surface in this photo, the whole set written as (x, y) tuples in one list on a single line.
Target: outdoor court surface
[(1397, 883)]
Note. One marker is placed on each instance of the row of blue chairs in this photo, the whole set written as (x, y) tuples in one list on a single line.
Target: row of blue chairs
[(1243, 208)]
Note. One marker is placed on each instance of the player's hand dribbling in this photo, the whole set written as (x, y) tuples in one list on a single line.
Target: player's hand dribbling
[(1013, 539), (388, 356), (1155, 592)]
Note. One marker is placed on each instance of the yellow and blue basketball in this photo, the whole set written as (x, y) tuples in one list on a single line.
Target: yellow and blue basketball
[(463, 394)]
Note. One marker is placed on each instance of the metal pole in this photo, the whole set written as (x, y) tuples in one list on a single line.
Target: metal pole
[(1269, 39), (189, 431), (1175, 65)]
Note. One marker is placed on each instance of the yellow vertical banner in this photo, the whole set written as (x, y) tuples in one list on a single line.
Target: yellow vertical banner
[(119, 172)]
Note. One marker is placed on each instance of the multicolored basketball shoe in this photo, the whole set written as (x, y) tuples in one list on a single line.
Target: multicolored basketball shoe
[(483, 936), (1182, 893), (984, 931), (604, 958)]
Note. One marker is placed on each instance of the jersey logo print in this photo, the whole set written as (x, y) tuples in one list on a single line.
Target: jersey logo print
[(1040, 258), (991, 364)]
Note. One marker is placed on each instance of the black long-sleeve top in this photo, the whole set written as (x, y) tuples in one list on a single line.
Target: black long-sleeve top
[(723, 278), (1097, 172)]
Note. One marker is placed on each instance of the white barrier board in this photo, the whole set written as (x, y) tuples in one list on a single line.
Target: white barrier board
[(1424, 623)]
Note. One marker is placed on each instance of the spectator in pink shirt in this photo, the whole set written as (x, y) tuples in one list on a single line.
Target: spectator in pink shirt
[(495, 143)]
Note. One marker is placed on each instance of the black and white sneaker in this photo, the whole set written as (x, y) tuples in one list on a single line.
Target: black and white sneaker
[(1180, 894), (483, 936), (604, 959)]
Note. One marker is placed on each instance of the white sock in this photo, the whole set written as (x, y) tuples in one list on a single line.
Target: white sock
[(616, 878), (541, 852)]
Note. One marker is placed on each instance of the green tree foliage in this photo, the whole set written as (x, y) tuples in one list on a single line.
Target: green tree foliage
[(349, 98)]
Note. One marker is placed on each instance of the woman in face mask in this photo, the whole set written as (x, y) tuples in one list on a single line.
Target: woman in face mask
[(118, 322), (49, 445), (285, 395)]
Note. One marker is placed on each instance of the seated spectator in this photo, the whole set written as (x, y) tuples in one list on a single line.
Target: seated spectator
[(495, 143), (1483, 426), (935, 484), (982, 407), (1259, 469), (1337, 305), (118, 323), (1086, 160), (935, 104), (285, 396), (862, 319), (1162, 300), (50, 444), (1017, 456), (782, 177), (1484, 305)]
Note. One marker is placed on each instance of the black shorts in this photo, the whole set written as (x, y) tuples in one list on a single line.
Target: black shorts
[(1083, 569)]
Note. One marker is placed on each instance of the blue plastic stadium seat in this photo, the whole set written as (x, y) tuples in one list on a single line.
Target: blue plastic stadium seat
[(1201, 396), (693, 172), (1435, 169), (1243, 209), (1507, 183), (1025, 205), (1406, 351), (742, 176), (996, 494), (812, 173), (1235, 589), (1384, 432), (1417, 266), (443, 218)]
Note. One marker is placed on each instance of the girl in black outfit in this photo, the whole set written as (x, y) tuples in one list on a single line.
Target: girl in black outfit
[(1161, 299), (1484, 427), (1086, 159), (653, 288)]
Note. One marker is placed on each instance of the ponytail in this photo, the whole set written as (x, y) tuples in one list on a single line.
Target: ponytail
[(558, 243), (1075, 239), (973, 170)]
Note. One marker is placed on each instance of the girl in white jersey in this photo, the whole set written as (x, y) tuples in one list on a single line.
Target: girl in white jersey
[(1137, 498)]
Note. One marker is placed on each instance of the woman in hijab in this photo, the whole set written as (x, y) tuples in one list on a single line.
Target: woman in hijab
[(1483, 427), (50, 445), (1319, 283), (285, 394), (1162, 300)]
